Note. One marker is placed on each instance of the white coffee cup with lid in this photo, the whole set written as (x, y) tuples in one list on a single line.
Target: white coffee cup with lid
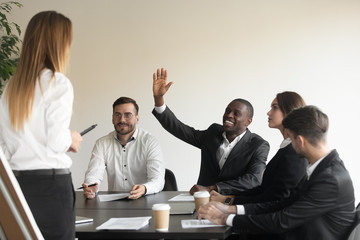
[(161, 213), (201, 198)]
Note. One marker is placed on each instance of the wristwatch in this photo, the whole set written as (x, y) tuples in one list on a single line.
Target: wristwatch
[(228, 201)]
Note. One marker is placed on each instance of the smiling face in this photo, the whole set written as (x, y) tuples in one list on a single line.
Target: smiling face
[(125, 119), (236, 119), (275, 115)]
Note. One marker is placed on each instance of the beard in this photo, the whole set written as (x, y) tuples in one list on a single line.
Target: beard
[(124, 128)]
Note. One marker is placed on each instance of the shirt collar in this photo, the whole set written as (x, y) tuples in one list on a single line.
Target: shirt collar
[(311, 167), (236, 140), (285, 142), (133, 137)]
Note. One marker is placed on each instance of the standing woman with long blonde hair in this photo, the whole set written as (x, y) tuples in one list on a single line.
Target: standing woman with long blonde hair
[(35, 114)]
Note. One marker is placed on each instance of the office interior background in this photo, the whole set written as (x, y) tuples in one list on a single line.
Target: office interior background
[(215, 51)]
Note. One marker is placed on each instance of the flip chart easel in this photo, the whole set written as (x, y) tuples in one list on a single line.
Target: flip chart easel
[(16, 219)]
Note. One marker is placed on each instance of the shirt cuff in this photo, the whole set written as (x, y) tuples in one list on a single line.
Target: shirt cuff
[(160, 109), (240, 209), (148, 189), (229, 220)]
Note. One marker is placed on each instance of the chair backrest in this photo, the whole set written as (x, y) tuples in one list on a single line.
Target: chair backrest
[(355, 232), (170, 181)]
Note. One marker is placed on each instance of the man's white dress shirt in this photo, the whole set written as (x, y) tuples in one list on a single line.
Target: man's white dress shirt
[(140, 161)]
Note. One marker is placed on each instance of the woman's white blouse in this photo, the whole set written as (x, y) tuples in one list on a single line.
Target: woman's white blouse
[(46, 136)]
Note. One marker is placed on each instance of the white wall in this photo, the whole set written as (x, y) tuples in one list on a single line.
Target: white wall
[(215, 51)]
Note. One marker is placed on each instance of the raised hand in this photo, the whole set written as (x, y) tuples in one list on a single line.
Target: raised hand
[(160, 86)]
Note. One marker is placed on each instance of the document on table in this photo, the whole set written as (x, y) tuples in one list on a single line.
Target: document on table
[(187, 197), (80, 219), (193, 223), (131, 223), (112, 197)]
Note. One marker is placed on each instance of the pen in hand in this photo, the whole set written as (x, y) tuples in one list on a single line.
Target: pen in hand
[(91, 185)]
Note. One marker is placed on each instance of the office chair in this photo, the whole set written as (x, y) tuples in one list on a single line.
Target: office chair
[(170, 181), (355, 232)]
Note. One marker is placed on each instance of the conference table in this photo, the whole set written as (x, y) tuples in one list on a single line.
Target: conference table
[(102, 211)]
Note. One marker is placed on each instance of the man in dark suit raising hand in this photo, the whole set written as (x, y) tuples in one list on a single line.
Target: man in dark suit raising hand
[(232, 158)]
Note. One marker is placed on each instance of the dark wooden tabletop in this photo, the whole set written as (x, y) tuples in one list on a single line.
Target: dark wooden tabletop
[(103, 211)]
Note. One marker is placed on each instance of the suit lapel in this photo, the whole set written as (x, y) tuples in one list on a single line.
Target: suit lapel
[(332, 156)]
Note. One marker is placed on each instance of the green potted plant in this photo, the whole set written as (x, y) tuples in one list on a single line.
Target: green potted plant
[(9, 49)]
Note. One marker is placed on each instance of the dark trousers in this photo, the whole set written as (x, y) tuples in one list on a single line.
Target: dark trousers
[(51, 199)]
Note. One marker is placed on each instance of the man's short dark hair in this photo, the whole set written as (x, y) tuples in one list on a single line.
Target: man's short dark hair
[(308, 122), (124, 100), (248, 105)]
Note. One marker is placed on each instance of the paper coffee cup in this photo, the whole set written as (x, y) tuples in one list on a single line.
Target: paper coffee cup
[(161, 213), (201, 198)]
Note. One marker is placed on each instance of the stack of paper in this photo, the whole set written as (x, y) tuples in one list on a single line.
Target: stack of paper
[(186, 197), (112, 197), (80, 219), (131, 223), (193, 223)]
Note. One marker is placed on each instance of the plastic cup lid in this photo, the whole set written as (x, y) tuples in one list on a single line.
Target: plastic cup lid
[(161, 206), (202, 194)]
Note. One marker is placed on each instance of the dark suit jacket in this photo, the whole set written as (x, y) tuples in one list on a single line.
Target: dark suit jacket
[(323, 209), (244, 166), (281, 177)]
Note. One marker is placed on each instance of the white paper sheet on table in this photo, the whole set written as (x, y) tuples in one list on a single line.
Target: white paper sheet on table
[(187, 197), (131, 223), (112, 197), (194, 223)]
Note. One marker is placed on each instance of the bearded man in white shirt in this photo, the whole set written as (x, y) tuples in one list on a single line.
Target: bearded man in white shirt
[(131, 156)]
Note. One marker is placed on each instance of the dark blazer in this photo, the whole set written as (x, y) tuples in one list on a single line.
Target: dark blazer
[(281, 177), (244, 166), (323, 210)]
